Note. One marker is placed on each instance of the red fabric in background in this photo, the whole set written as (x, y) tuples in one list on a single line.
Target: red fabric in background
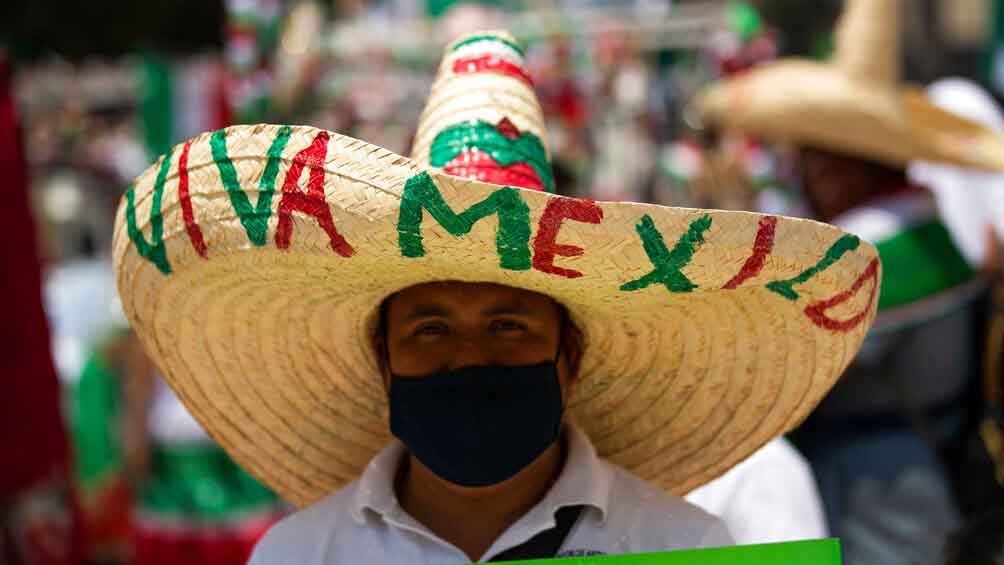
[(32, 435), (224, 545)]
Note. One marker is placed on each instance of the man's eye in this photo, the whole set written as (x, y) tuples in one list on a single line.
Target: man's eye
[(507, 326), (432, 328)]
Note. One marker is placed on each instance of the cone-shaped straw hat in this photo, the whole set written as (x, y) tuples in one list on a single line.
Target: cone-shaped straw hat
[(854, 104), (252, 261), (483, 120)]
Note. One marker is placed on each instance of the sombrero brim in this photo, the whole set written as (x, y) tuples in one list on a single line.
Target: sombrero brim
[(807, 103), (707, 333)]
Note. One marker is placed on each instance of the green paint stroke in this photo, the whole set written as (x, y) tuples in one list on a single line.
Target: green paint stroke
[(512, 238), (483, 136), (254, 219), (668, 264), (843, 245), (154, 251), (488, 37)]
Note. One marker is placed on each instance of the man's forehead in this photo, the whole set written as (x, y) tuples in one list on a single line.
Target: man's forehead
[(442, 297)]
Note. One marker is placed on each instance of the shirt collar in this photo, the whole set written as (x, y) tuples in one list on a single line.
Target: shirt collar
[(584, 480)]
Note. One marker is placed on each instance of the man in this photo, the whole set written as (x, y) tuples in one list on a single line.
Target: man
[(439, 367), (873, 440), (477, 376)]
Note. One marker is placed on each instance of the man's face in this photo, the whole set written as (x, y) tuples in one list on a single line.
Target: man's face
[(442, 326), (835, 183)]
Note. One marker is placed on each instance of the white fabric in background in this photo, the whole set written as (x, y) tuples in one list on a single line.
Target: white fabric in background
[(169, 421), (969, 200), (770, 497)]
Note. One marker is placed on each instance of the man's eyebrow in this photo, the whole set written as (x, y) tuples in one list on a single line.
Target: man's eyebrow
[(510, 307), (426, 311)]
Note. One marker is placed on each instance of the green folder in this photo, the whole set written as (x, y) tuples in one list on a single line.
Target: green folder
[(809, 552)]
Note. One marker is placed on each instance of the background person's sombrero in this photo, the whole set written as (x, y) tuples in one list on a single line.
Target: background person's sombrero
[(854, 104), (251, 262)]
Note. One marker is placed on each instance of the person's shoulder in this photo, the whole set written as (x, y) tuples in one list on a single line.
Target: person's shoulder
[(303, 536), (651, 511)]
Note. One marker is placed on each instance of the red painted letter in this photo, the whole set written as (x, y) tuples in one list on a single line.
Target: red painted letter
[(817, 311), (762, 247), (545, 247), (312, 202)]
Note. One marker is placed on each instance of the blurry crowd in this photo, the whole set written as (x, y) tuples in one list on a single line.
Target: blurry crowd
[(907, 451)]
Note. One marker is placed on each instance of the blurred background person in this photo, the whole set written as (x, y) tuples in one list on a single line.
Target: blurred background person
[(876, 441), (972, 206)]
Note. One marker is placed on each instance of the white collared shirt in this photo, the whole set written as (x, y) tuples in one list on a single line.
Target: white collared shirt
[(363, 522)]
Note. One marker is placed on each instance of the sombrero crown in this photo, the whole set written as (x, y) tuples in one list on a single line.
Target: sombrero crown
[(483, 120), (252, 261), (854, 104)]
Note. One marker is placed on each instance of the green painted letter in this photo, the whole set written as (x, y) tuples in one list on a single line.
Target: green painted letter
[(254, 219), (513, 236), (154, 250), (668, 263)]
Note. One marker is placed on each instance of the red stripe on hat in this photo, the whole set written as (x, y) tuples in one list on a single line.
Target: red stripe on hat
[(481, 166), (491, 64), (193, 229)]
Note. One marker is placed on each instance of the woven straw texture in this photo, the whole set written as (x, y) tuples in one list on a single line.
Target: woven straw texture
[(251, 263), (855, 104)]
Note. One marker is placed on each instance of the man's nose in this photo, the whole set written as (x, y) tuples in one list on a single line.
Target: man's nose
[(470, 352)]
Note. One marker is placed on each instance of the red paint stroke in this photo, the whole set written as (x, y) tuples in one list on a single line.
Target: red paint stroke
[(817, 312), (545, 247), (312, 202), (481, 166), (762, 247), (507, 128), (193, 229), (491, 64)]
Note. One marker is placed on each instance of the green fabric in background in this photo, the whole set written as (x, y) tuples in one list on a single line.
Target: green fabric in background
[(809, 552), (95, 419), (157, 103), (744, 19), (919, 263), (200, 482)]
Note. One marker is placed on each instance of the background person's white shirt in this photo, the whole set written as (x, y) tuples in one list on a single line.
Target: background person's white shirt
[(770, 497), (363, 523)]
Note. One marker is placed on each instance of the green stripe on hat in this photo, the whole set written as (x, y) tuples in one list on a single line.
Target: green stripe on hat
[(497, 39), (483, 136)]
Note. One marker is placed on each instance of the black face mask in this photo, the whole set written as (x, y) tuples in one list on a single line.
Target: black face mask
[(478, 426)]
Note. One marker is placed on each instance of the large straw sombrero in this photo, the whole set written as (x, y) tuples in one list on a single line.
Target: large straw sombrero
[(854, 104), (251, 262)]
